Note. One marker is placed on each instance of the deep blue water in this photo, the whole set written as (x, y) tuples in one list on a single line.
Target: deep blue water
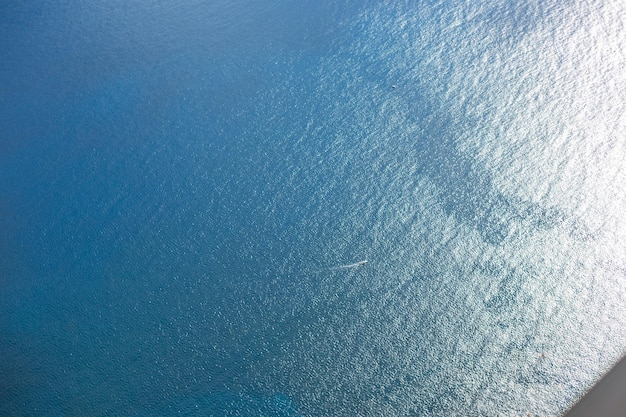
[(179, 184)]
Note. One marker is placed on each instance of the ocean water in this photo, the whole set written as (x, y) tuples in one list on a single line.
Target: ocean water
[(186, 190)]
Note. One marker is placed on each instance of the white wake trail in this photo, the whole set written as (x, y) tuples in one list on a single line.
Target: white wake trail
[(354, 265), (346, 266)]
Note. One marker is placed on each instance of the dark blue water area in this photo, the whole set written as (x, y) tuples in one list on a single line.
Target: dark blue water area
[(186, 191), (133, 171)]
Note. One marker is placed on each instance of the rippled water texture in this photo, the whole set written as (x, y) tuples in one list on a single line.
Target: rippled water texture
[(187, 194)]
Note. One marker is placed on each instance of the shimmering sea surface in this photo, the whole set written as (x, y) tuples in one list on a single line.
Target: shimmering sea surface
[(187, 190)]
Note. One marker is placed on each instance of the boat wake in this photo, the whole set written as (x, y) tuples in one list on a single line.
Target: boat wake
[(354, 265), (346, 266)]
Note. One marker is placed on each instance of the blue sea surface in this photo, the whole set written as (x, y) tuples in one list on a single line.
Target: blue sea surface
[(187, 191)]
